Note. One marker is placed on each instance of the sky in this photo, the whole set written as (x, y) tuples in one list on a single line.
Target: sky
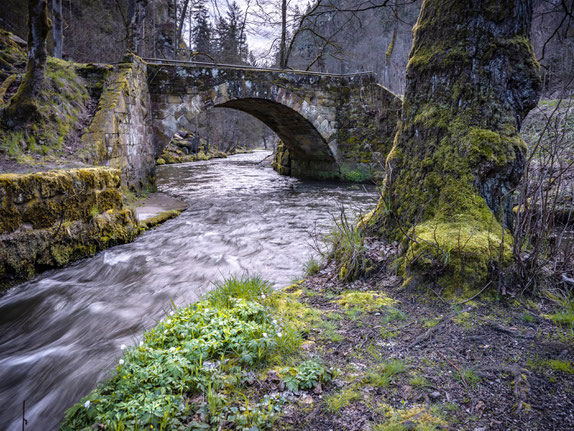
[(260, 35)]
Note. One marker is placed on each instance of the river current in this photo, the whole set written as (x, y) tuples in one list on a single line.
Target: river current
[(60, 333)]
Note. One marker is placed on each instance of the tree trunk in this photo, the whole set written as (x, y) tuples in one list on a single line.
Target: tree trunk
[(283, 43), (175, 41), (471, 79), (181, 21), (58, 31), (23, 108)]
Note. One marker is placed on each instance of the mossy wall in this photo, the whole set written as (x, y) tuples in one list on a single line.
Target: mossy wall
[(367, 123), (61, 107), (471, 79), (281, 160), (48, 219), (120, 135)]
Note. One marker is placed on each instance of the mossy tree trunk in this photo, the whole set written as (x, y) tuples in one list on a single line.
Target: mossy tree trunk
[(471, 79), (23, 108)]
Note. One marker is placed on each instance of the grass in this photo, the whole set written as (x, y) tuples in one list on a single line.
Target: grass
[(419, 381), (470, 377), (204, 349), (552, 365), (382, 375), (346, 245), (247, 288), (342, 399), (312, 267), (564, 318)]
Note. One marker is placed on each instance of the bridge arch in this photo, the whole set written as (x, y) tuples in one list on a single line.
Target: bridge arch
[(327, 122), (306, 127), (332, 125)]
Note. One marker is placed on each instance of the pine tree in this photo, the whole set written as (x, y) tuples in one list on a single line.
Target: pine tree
[(231, 41), (202, 32)]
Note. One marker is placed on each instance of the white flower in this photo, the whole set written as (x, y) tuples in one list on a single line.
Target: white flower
[(171, 313), (123, 347), (168, 321), (121, 361), (274, 322), (172, 349), (165, 332), (87, 404), (264, 334), (279, 334), (182, 334), (262, 296), (141, 343)]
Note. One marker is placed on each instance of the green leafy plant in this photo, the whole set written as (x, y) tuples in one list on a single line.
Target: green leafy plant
[(204, 350), (306, 375)]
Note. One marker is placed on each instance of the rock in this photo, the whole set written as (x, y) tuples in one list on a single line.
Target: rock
[(434, 395), (318, 389), (307, 399), (273, 376)]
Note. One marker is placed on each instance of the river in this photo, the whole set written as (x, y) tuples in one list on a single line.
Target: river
[(60, 333)]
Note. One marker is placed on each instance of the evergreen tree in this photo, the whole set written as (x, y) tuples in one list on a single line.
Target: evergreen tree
[(202, 32), (231, 41)]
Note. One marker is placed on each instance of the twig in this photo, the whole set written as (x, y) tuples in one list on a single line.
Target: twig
[(472, 297), (455, 367), (430, 331)]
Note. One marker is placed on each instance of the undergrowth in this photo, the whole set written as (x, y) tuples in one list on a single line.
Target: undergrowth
[(190, 371)]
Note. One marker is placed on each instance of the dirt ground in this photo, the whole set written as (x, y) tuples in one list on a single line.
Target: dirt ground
[(416, 363)]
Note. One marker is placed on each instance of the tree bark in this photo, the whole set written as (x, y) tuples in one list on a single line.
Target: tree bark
[(23, 108), (181, 21), (58, 31), (471, 79), (283, 43)]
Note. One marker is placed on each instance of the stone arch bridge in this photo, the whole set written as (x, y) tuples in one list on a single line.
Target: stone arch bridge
[(328, 123)]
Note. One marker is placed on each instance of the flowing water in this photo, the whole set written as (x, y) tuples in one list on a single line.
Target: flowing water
[(61, 332)]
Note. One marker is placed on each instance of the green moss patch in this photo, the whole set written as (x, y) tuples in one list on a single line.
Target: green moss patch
[(62, 108), (365, 301), (159, 219)]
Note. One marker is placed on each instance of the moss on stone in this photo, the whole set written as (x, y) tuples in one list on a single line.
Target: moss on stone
[(23, 254), (48, 219), (281, 160), (44, 198), (159, 219)]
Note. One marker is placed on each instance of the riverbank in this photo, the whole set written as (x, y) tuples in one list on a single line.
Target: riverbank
[(157, 208), (325, 355)]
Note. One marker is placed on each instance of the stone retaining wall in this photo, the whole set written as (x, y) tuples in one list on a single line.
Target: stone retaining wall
[(48, 219)]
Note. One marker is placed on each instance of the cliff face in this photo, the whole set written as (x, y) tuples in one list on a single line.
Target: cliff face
[(95, 31)]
